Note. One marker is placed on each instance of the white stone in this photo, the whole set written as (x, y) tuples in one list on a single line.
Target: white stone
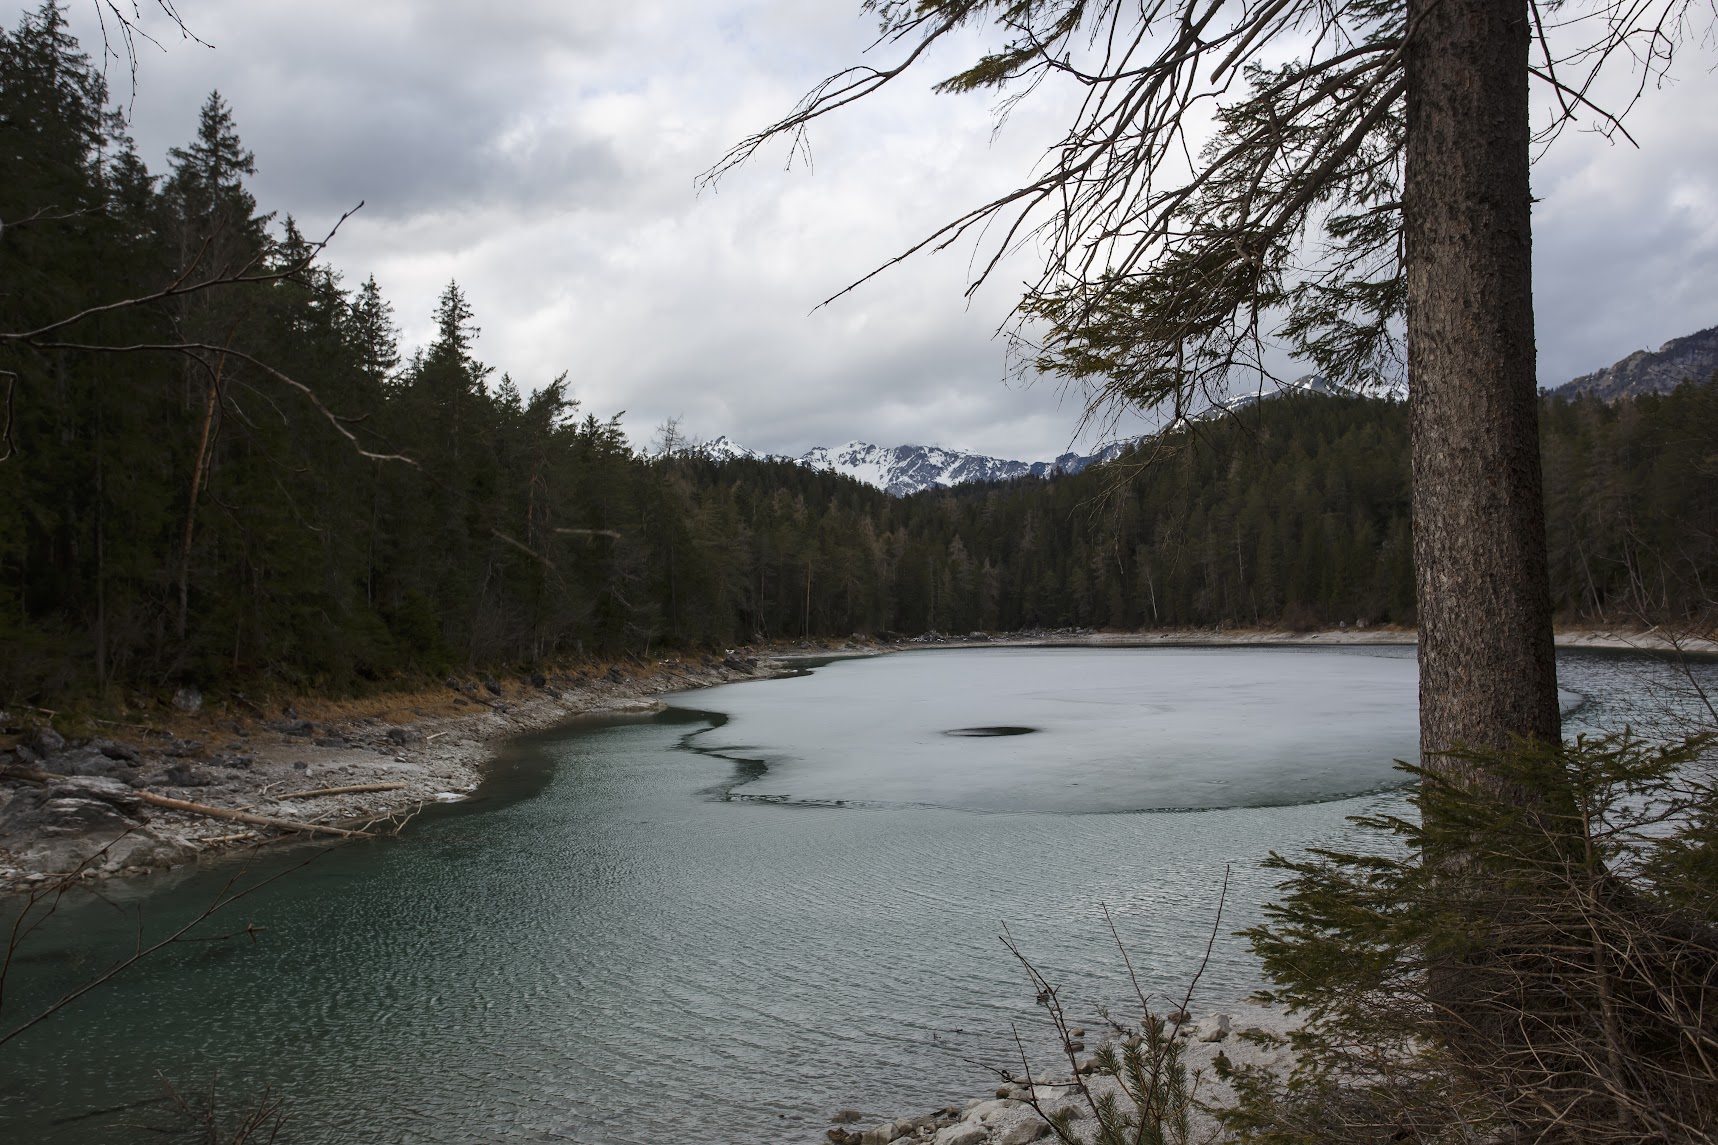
[(965, 1133), (1024, 1133), (985, 1110), (1213, 1028), (1076, 1107)]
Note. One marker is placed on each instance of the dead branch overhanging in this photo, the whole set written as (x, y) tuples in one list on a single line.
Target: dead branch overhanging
[(1097, 202), (57, 889), (181, 287), (190, 349), (127, 28)]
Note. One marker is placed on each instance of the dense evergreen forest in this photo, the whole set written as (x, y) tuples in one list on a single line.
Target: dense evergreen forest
[(252, 484)]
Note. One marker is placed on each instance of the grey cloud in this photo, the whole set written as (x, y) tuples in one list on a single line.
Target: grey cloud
[(543, 153), (407, 106), (1626, 240)]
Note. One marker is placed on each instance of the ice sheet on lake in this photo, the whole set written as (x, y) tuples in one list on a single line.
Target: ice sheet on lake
[(1115, 729)]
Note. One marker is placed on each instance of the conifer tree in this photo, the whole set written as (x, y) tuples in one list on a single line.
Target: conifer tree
[(207, 188), (370, 326)]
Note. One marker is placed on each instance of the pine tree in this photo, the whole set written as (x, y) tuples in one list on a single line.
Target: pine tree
[(373, 334), (207, 187)]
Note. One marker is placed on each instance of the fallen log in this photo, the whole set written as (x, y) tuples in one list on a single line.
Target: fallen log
[(35, 776), (247, 817), (354, 789)]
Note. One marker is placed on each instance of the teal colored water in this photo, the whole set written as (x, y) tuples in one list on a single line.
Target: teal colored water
[(728, 921)]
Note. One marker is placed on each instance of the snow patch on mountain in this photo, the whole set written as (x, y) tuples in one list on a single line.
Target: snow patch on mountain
[(905, 469), (721, 449), (1390, 389)]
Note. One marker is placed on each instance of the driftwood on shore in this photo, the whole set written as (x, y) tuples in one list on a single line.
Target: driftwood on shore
[(248, 817), (353, 789), (154, 800), (30, 774)]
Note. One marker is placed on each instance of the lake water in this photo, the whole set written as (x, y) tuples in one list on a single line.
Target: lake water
[(778, 899)]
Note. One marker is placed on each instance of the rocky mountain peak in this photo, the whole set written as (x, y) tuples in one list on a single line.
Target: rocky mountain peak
[(906, 469), (1693, 357)]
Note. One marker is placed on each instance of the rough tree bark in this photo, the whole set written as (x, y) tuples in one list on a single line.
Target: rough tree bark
[(1487, 671), (1487, 667)]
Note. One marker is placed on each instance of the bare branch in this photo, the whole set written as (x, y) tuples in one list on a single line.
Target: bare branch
[(191, 348), (181, 286), (1170, 263), (223, 900)]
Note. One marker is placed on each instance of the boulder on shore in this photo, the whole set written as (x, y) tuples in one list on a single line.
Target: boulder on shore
[(84, 821), (985, 1110), (1024, 1133), (46, 741), (1212, 1028)]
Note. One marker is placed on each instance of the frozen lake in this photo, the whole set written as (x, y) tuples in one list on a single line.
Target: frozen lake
[(781, 899), (1075, 729)]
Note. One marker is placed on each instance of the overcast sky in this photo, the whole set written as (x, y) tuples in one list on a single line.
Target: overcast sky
[(544, 154)]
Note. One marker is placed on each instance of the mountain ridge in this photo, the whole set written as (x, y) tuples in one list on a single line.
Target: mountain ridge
[(1692, 357), (902, 470)]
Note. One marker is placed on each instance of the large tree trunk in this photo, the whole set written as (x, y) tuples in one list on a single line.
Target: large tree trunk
[(1486, 660), (1487, 672)]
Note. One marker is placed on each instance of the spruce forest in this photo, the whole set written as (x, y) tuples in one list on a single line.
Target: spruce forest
[(292, 499)]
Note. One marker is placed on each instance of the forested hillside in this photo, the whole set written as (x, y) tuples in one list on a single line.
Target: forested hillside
[(282, 497), (1296, 513)]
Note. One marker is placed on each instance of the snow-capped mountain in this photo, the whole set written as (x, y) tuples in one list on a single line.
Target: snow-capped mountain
[(721, 449), (904, 469), (1390, 389)]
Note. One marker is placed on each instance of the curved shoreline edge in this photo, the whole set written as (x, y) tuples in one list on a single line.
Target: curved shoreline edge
[(79, 807), (89, 808)]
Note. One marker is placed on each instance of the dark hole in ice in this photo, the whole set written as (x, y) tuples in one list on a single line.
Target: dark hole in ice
[(1003, 730)]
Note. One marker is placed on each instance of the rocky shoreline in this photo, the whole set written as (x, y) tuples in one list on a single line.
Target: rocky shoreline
[(103, 806), (1017, 1113), (116, 803)]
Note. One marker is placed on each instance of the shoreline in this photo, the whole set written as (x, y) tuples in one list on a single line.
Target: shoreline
[(1604, 639), (339, 765), (1210, 1045), (78, 811)]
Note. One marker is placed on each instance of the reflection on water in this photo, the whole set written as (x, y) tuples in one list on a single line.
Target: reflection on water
[(600, 951)]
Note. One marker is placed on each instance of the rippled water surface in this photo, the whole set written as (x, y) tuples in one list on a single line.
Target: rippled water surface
[(722, 924)]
